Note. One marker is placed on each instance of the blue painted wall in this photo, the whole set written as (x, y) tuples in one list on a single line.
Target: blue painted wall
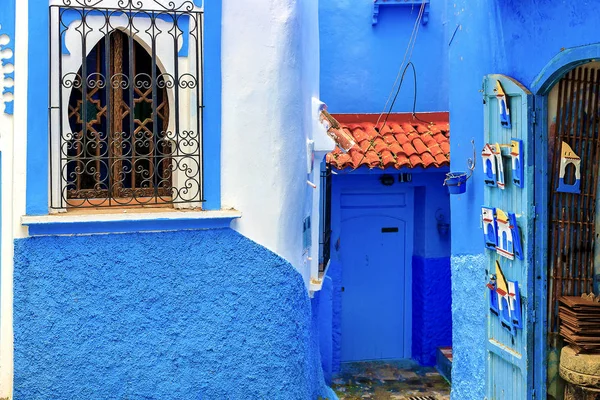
[(431, 264), (432, 318), (517, 39), (182, 315), (359, 61)]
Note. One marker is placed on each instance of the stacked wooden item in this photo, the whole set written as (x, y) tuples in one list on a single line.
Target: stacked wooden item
[(580, 322)]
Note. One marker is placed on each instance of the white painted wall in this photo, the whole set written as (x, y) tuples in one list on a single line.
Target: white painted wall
[(13, 141), (270, 74)]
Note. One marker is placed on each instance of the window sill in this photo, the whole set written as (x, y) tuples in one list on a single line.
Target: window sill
[(125, 221)]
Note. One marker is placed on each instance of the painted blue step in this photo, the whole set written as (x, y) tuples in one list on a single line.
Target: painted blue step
[(444, 362)]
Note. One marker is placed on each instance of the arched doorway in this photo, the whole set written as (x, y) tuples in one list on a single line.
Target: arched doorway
[(565, 68), (573, 147)]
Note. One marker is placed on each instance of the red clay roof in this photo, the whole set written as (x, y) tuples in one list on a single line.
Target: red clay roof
[(403, 142)]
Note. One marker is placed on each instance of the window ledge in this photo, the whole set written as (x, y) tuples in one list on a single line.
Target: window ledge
[(124, 221)]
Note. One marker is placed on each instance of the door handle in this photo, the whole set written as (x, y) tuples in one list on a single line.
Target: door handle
[(343, 289)]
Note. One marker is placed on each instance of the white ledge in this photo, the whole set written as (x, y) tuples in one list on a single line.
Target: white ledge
[(74, 217)]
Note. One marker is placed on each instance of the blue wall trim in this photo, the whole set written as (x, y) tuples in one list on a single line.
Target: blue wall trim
[(7, 27), (37, 110), (159, 224), (211, 131), (173, 315)]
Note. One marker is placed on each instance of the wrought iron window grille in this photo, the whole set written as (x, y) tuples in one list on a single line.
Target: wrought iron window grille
[(126, 103)]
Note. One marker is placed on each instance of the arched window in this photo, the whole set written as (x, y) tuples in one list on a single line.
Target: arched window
[(126, 120), (119, 148)]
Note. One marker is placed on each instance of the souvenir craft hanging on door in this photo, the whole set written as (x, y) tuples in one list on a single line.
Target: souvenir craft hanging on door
[(499, 166), (568, 159), (505, 246), (505, 301), (516, 235), (503, 108), (489, 166), (516, 155), (489, 228)]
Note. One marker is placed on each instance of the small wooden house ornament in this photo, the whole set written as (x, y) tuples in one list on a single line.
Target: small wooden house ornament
[(493, 297), (516, 155), (499, 166), (505, 300), (489, 165), (508, 292), (489, 228), (514, 303), (516, 235), (505, 246), (568, 158), (503, 108)]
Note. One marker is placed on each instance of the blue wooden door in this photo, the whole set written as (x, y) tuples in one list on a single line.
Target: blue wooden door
[(510, 367), (376, 253)]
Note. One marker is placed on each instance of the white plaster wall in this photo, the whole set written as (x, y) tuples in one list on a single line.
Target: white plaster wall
[(13, 143), (270, 72)]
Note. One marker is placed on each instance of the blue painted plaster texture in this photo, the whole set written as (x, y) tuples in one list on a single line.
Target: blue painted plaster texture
[(179, 315), (323, 312), (469, 313), (360, 62), (335, 272), (432, 318)]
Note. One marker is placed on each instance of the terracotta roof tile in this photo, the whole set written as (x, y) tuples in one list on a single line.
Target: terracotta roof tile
[(396, 148), (409, 149), (445, 147), (416, 161), (442, 160), (402, 142)]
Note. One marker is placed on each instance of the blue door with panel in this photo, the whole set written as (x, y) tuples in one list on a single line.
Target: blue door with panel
[(376, 243), (509, 347)]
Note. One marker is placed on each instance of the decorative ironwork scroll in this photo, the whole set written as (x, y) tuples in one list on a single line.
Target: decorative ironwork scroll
[(126, 103)]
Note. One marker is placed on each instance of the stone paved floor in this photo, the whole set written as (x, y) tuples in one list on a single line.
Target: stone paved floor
[(389, 380)]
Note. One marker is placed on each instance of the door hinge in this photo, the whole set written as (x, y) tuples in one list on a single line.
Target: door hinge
[(533, 117), (533, 394), (533, 212), (533, 316)]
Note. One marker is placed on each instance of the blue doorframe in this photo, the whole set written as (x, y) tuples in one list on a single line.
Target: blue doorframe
[(541, 87)]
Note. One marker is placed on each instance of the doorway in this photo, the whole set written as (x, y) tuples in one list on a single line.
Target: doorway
[(376, 243)]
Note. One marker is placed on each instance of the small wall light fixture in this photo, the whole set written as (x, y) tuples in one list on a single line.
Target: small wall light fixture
[(442, 224), (387, 180)]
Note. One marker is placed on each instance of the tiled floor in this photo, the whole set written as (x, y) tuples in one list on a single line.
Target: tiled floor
[(393, 380)]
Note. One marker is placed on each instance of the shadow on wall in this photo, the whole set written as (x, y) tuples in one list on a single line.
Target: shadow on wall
[(181, 315)]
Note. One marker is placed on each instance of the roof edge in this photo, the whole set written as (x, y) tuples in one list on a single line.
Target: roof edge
[(435, 117)]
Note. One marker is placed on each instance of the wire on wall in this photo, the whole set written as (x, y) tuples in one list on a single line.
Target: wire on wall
[(400, 77)]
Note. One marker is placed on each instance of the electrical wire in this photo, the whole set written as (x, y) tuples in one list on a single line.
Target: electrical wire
[(411, 46)]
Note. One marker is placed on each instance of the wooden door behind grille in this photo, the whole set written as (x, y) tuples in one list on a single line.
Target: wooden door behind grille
[(572, 216), (124, 152)]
